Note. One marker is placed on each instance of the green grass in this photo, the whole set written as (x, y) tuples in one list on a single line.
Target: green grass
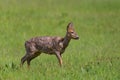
[(96, 56)]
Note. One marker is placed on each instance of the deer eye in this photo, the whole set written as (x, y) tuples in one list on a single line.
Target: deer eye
[(71, 32)]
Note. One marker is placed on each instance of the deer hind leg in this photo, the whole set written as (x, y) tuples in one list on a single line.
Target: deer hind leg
[(23, 59), (34, 55)]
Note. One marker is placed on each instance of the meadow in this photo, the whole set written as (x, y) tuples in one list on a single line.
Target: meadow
[(95, 56)]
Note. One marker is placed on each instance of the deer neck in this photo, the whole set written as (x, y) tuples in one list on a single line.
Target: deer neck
[(66, 41)]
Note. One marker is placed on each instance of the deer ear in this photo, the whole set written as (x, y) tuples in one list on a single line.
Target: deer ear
[(70, 25)]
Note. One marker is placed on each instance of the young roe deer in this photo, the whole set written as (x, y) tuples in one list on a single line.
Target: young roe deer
[(49, 45)]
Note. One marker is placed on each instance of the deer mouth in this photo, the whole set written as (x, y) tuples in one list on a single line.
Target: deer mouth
[(76, 38)]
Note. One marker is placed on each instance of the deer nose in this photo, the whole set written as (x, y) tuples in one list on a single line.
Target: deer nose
[(77, 37)]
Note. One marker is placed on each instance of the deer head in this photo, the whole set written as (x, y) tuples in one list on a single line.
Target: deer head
[(71, 32)]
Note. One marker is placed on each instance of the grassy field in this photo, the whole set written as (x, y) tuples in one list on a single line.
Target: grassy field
[(96, 56)]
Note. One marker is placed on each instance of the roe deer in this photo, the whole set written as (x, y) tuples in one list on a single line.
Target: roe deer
[(49, 45)]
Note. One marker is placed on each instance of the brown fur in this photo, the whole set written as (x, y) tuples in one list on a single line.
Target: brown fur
[(48, 45)]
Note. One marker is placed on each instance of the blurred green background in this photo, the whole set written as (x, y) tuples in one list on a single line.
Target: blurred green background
[(96, 56)]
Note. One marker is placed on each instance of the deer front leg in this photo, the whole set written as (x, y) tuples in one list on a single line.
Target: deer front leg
[(59, 57)]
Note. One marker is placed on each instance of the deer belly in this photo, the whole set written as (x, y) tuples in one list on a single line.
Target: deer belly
[(46, 49)]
